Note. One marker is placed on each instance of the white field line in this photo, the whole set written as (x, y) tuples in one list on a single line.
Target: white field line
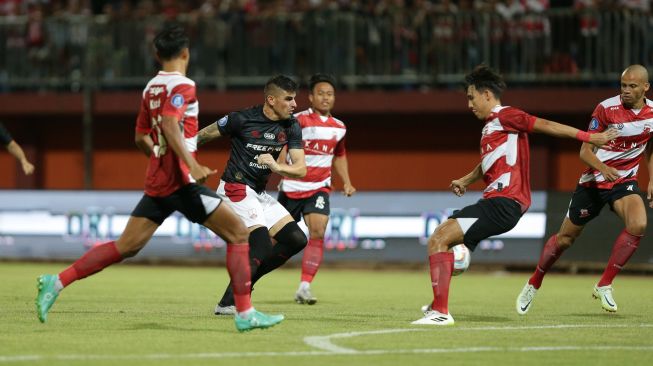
[(336, 351), (324, 342)]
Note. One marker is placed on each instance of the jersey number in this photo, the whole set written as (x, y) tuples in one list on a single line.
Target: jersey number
[(162, 145)]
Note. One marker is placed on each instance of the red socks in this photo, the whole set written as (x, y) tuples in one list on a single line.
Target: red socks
[(441, 268), (312, 259), (550, 254), (623, 249), (240, 273), (96, 259)]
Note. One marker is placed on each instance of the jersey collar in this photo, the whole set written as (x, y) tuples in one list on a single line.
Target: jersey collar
[(161, 72)]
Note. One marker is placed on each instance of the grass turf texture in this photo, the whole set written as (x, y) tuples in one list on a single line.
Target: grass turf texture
[(150, 315)]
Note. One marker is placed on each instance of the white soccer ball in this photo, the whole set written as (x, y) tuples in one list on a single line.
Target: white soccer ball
[(461, 258)]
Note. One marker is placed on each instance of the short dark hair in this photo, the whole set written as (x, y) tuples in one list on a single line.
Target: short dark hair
[(321, 78), (485, 78), (170, 42), (281, 82)]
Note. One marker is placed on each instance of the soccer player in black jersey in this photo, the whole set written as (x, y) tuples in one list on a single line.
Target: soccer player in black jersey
[(15, 150), (258, 134)]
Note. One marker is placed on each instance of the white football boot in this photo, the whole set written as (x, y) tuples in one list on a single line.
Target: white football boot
[(525, 299), (304, 295), (433, 317), (225, 310), (605, 294)]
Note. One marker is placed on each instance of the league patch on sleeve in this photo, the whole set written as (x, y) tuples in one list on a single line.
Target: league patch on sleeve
[(223, 121), (594, 124), (177, 100)]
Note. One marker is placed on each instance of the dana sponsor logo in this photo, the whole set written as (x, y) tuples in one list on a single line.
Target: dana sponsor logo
[(269, 136), (318, 147)]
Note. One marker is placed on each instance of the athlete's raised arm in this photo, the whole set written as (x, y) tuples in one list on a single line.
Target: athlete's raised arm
[(559, 130)]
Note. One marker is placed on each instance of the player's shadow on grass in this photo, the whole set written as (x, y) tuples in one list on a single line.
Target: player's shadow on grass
[(159, 326), (288, 301), (595, 315), (481, 318)]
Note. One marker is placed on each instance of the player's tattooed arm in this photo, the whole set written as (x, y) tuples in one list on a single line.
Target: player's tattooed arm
[(207, 134)]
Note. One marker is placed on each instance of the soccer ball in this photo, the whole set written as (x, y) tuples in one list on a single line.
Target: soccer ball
[(461, 258)]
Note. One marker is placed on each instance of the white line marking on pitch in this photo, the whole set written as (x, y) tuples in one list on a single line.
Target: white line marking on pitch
[(324, 342), (329, 349)]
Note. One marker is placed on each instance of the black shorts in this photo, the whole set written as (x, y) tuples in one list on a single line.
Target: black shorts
[(317, 203), (587, 202), (194, 201), (493, 216)]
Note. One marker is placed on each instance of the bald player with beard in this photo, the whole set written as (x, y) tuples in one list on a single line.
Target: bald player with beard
[(611, 177)]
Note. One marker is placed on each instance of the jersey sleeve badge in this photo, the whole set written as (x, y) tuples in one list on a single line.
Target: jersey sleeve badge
[(177, 100), (594, 124)]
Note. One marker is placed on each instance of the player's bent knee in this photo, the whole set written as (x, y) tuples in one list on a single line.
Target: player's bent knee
[(565, 241), (317, 233), (235, 234), (239, 237), (437, 243), (292, 236), (128, 249), (445, 236), (636, 228)]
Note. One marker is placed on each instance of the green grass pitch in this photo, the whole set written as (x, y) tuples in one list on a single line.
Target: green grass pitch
[(154, 315)]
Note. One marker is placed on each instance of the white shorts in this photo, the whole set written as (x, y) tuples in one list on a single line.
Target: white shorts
[(254, 208)]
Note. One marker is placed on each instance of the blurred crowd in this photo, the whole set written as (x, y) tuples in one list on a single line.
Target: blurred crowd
[(413, 8), (416, 8), (53, 38)]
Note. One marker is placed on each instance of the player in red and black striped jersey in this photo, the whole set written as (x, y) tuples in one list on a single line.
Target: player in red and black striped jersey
[(166, 131), (504, 168), (15, 150), (258, 135), (610, 179)]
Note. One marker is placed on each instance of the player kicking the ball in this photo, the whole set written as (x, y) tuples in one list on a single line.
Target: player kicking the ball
[(504, 169)]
